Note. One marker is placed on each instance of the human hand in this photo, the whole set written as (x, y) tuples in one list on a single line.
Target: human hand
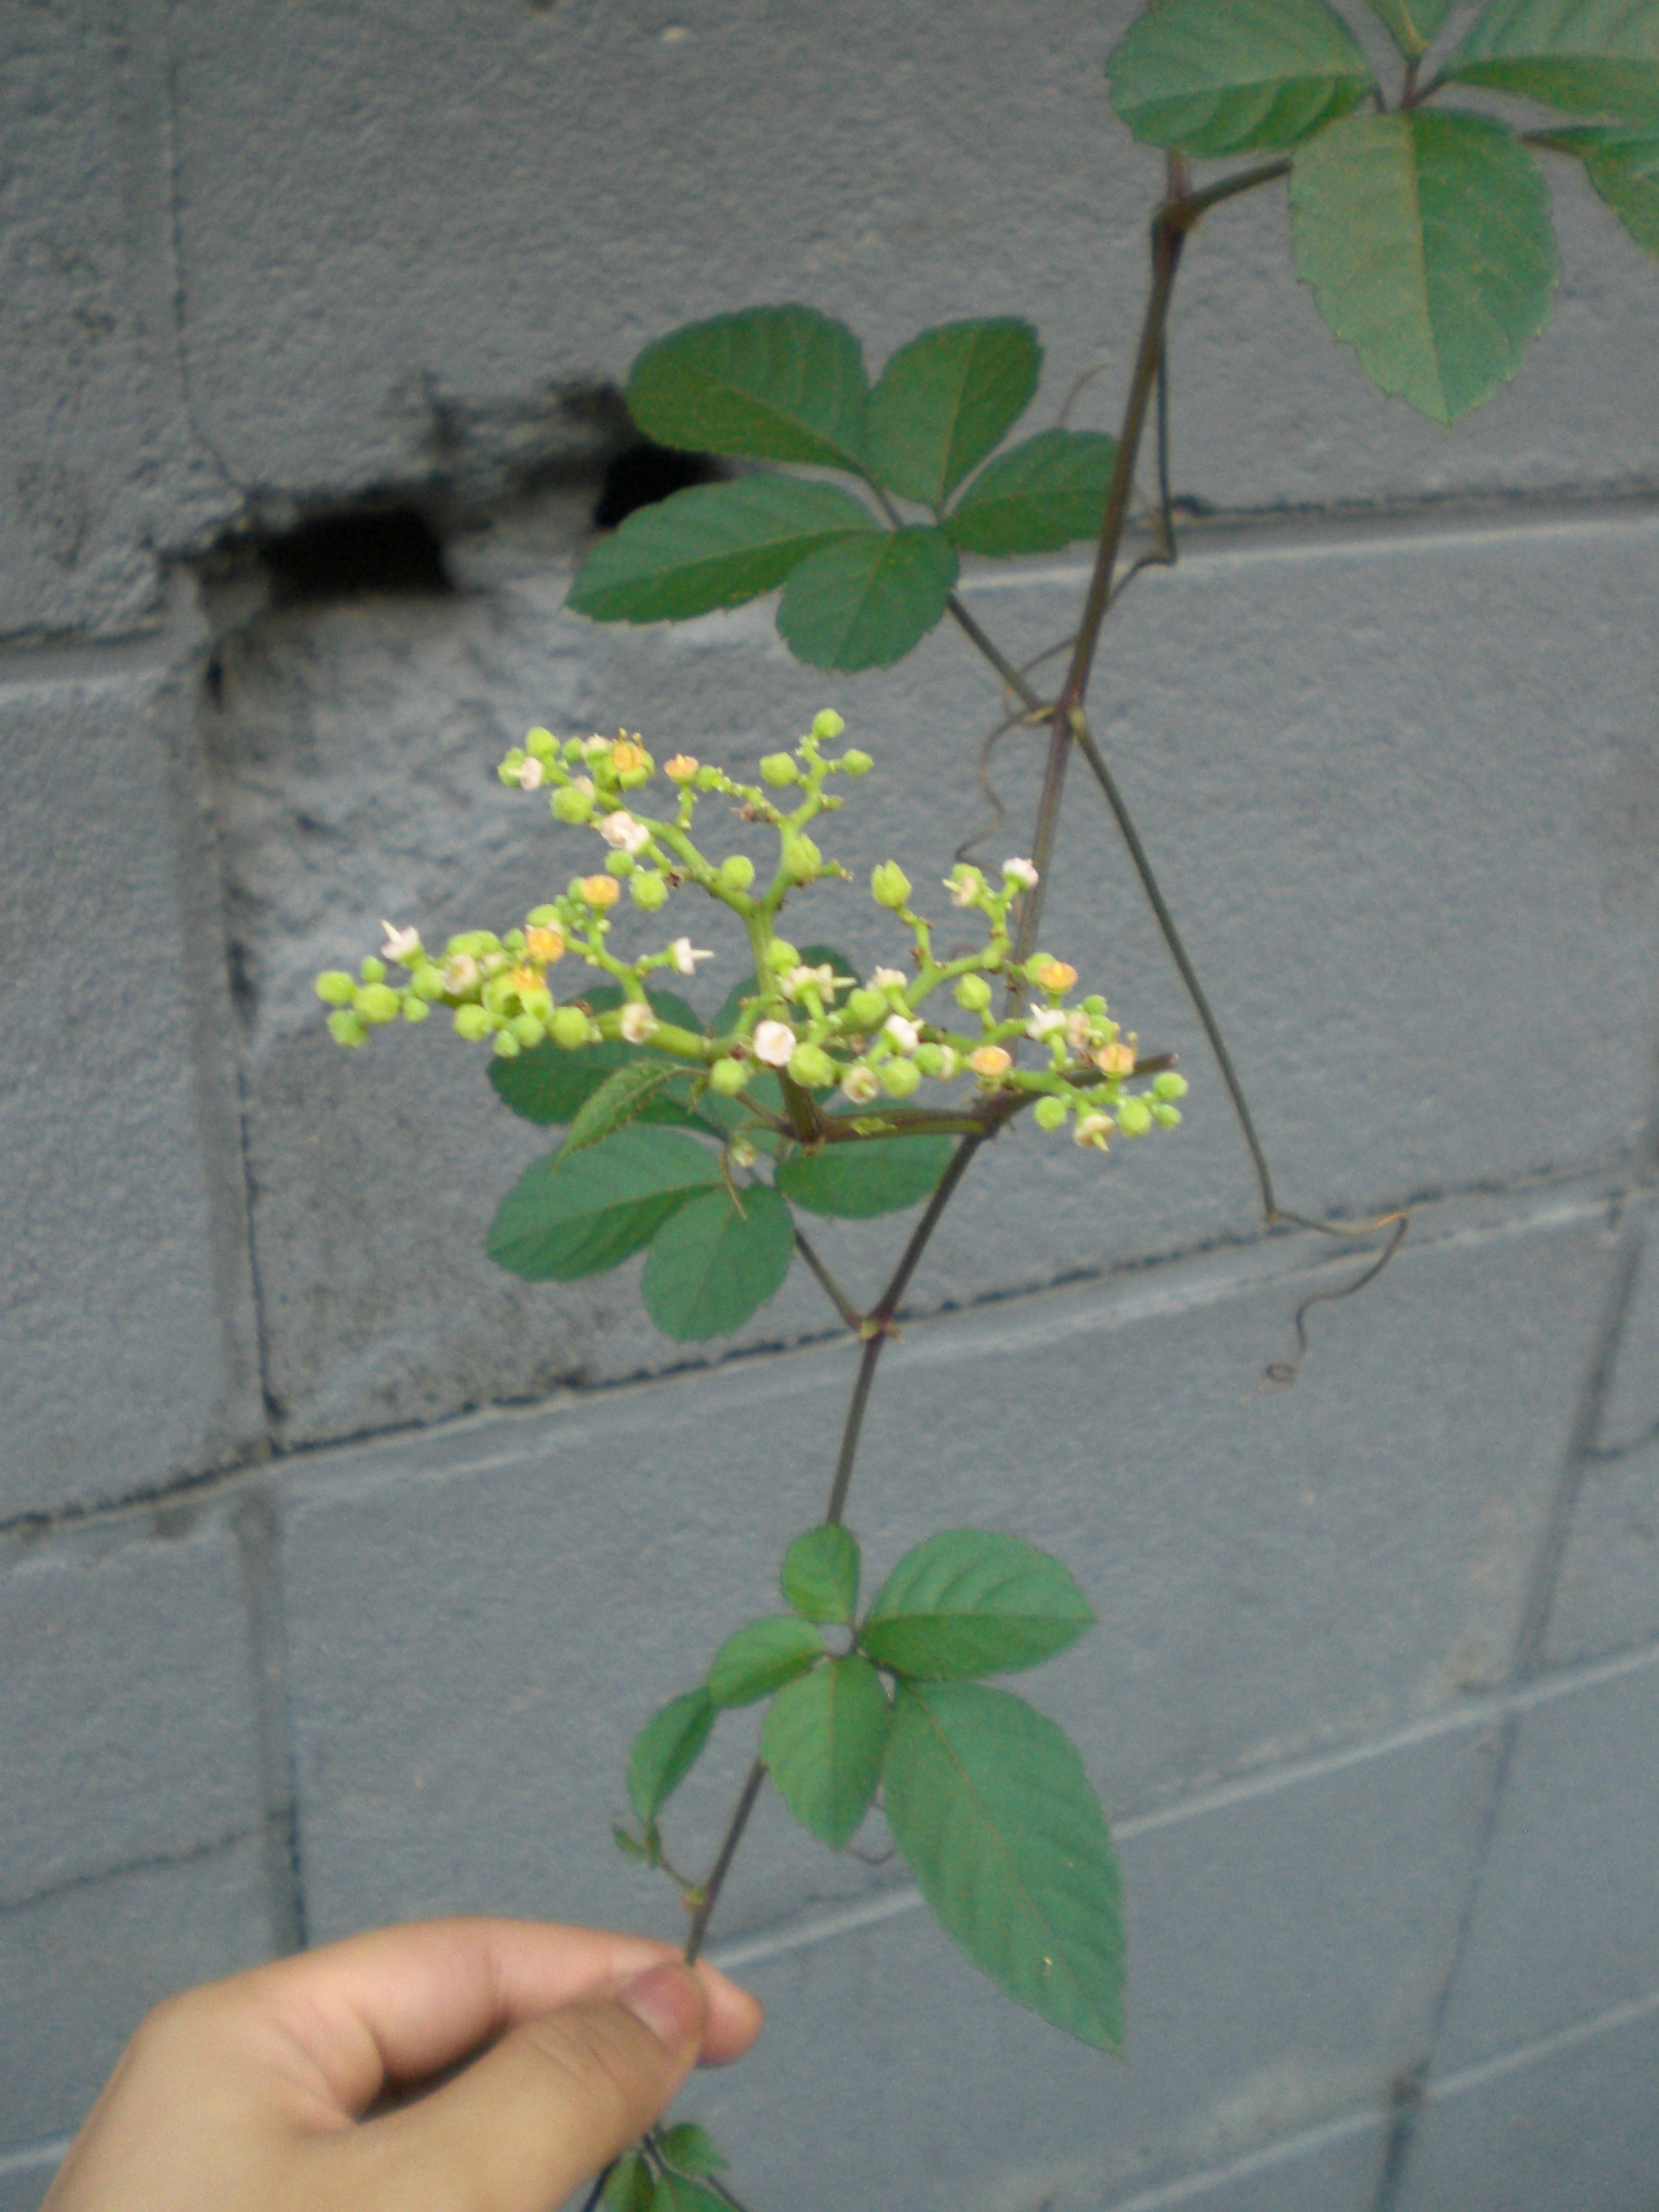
[(288, 2089)]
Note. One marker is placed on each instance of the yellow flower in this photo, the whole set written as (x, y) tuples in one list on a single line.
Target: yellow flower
[(1056, 976), (600, 890), (990, 1060), (544, 944), (682, 767)]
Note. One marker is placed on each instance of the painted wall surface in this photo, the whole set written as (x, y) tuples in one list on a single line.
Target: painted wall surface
[(336, 1569)]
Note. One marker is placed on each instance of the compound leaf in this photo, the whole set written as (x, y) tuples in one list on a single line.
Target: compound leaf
[(713, 545), (630, 2185), (1414, 22), (549, 1084), (675, 2193), (1426, 239), (820, 1574), (989, 1803), (1623, 167), (1043, 495), (864, 602), (1590, 57), (822, 1744), (666, 1749), (947, 400), (691, 2149), (768, 384), (973, 1601), (761, 1658), (565, 1219), (712, 1265), (1253, 74), (876, 1174)]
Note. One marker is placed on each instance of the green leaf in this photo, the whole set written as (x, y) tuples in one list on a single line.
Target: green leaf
[(1426, 239), (761, 1658), (549, 1084), (563, 1220), (1249, 77), (1414, 22), (1590, 57), (820, 1574), (864, 602), (876, 1174), (972, 1601), (990, 1805), (947, 400), (630, 2185), (666, 1749), (822, 1744), (712, 1266), (676, 2194), (691, 2149), (769, 384), (1045, 494), (620, 1099), (1623, 167), (712, 546)]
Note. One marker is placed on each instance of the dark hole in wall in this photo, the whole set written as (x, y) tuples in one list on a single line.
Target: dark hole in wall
[(342, 555), (643, 473)]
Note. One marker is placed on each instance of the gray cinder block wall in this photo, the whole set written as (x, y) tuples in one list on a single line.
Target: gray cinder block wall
[(338, 1569)]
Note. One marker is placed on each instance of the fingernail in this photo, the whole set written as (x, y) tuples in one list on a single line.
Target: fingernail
[(669, 2000)]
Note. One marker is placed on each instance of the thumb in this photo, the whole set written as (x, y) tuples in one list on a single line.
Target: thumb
[(549, 2105)]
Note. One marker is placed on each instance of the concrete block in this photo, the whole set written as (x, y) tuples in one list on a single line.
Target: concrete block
[(25, 2176), (1419, 888), (80, 1969), (1332, 2169), (1607, 1597), (1564, 1925), (127, 1339), (100, 465), (1628, 1415), (1573, 2121), (1284, 1954), (486, 208), (128, 1730), (479, 1618)]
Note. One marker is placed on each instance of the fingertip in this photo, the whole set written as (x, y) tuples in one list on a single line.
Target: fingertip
[(672, 2002), (735, 2018)]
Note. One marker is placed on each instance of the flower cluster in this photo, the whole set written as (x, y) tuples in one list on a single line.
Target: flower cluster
[(875, 1041)]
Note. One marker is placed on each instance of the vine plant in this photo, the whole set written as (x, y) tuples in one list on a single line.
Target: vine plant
[(1423, 229)]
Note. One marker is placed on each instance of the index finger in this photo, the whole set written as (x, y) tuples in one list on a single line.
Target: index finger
[(396, 2006)]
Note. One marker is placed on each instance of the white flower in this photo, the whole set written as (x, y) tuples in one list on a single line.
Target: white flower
[(1045, 1022), (582, 783), (1092, 1129), (774, 1043), (860, 1084), (531, 775), (623, 831), (637, 1022), (824, 980), (461, 974), (905, 1035), (949, 1060), (964, 886), (888, 979), (1079, 1029), (399, 944), (685, 957), (1021, 872)]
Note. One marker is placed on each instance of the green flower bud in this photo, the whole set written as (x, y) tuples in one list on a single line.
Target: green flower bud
[(498, 994), (371, 971), (378, 1003), (812, 1067), (781, 958), (619, 864), (780, 768), (827, 724), (542, 743), (345, 1028), (857, 763), (899, 1078), (647, 889), (507, 1045), (570, 1028), (1134, 1116), (929, 1058), (736, 873), (1094, 1004), (508, 768), (528, 1031), (729, 1078), (973, 992), (570, 803), (472, 1023), (888, 885), (471, 942), (710, 778), (1166, 1116), (427, 980), (543, 917), (1168, 1084), (802, 859), (335, 988), (1050, 1113), (867, 1009), (416, 1010), (538, 1002), (1035, 967)]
